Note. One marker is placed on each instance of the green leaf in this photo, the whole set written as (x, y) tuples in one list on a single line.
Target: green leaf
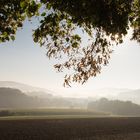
[(75, 45), (43, 14), (48, 6), (5, 34), (23, 4), (35, 39), (13, 38)]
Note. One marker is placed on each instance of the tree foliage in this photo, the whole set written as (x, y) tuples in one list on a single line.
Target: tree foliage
[(105, 21), (12, 15)]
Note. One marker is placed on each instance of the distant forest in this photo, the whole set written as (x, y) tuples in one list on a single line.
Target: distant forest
[(115, 107)]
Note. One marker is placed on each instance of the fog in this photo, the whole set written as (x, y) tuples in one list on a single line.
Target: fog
[(15, 95)]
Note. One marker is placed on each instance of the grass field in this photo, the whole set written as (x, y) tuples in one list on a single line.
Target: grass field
[(71, 129), (49, 113)]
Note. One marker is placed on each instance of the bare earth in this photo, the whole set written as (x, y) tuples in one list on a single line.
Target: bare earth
[(71, 129)]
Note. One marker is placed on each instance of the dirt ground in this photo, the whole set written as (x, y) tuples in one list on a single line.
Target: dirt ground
[(71, 129)]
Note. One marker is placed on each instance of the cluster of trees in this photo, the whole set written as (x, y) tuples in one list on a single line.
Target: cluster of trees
[(116, 107), (105, 21)]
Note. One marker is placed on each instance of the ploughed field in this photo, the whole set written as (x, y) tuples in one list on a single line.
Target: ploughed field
[(108, 128)]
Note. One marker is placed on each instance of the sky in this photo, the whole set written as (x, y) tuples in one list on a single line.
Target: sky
[(26, 62)]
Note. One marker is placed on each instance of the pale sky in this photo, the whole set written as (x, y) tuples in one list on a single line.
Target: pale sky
[(24, 61)]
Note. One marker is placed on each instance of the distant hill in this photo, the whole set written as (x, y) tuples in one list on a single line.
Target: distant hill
[(39, 97), (29, 90), (116, 107), (119, 94), (14, 98), (133, 95)]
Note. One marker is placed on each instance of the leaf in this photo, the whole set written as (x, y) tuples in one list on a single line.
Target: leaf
[(67, 39), (23, 4), (48, 6), (43, 14), (75, 45), (13, 38), (5, 34), (35, 39)]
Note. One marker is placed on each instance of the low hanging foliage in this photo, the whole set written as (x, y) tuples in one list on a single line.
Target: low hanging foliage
[(105, 21)]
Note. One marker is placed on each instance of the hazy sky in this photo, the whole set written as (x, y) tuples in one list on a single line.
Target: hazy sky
[(24, 61)]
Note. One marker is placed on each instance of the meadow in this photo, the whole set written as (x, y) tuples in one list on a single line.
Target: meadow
[(49, 113)]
